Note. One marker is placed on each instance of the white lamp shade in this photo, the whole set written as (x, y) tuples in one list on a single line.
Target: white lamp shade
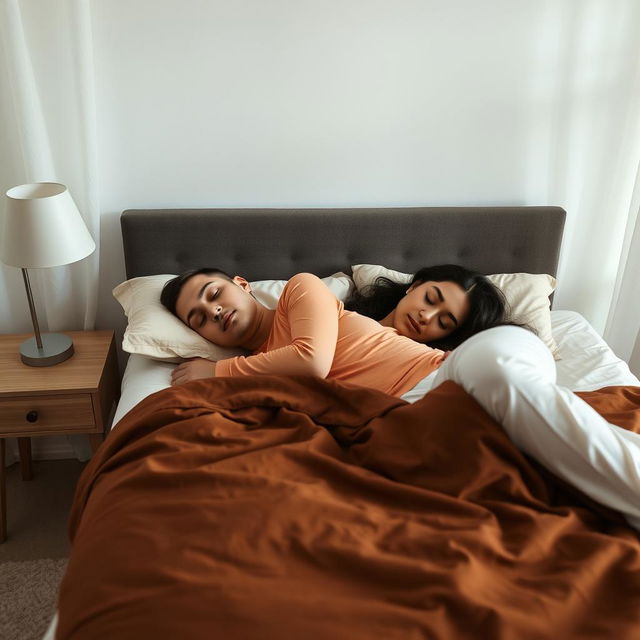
[(43, 227)]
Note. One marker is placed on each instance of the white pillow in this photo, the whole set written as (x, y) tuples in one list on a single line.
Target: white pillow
[(527, 295), (155, 332)]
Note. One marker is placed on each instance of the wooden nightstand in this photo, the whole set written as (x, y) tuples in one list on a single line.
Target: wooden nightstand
[(75, 396)]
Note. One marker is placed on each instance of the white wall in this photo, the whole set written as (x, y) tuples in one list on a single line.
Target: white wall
[(347, 102)]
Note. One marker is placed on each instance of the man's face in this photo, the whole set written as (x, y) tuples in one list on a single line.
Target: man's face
[(222, 311)]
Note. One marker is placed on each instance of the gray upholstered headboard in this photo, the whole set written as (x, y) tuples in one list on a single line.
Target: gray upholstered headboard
[(277, 243)]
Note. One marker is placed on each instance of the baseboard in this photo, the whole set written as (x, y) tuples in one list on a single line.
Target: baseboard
[(52, 448)]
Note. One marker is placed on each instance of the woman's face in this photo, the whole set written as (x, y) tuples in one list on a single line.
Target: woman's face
[(431, 310), (221, 311)]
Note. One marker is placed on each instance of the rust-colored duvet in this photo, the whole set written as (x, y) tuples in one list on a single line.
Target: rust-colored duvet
[(268, 507)]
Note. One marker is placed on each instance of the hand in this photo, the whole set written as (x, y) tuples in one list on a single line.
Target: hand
[(446, 355), (193, 370)]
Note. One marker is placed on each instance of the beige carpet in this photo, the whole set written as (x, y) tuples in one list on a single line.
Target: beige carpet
[(33, 558), (28, 593)]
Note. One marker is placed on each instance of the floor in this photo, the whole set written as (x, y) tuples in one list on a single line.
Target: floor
[(37, 510)]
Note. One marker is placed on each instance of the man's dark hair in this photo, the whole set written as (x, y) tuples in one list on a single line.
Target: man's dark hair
[(173, 287)]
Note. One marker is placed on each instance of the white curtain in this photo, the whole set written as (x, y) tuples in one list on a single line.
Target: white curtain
[(623, 325), (593, 149), (48, 121), (601, 172)]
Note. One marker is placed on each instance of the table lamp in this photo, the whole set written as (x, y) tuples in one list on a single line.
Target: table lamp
[(43, 228)]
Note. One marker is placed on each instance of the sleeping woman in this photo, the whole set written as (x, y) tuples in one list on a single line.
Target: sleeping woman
[(507, 369)]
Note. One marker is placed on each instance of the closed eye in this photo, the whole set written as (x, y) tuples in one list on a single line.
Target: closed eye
[(196, 320), (447, 326), (453, 318)]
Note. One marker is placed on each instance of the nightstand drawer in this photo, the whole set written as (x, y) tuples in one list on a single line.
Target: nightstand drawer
[(50, 413)]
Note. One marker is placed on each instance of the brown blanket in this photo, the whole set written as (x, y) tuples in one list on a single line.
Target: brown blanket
[(265, 508)]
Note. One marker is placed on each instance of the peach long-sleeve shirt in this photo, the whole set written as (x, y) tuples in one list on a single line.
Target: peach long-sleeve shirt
[(313, 334)]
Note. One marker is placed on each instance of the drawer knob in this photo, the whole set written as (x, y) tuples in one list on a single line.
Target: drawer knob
[(32, 416)]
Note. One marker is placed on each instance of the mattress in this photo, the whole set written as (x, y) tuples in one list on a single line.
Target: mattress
[(586, 363)]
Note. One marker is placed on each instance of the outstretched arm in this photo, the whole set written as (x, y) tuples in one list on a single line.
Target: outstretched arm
[(306, 325)]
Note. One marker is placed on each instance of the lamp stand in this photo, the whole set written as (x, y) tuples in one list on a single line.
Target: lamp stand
[(43, 350)]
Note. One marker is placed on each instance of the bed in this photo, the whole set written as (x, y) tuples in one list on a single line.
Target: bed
[(282, 508)]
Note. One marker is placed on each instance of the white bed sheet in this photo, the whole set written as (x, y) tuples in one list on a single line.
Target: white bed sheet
[(586, 360), (142, 377)]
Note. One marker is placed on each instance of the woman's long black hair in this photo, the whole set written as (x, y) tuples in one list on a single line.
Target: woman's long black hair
[(487, 305)]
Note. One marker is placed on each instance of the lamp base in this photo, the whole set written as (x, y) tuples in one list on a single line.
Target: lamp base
[(56, 348)]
